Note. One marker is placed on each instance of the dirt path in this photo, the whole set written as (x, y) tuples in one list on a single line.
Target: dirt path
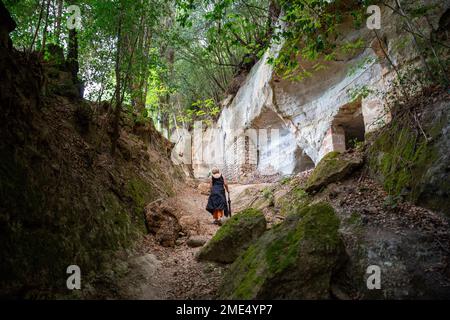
[(180, 275), (174, 273)]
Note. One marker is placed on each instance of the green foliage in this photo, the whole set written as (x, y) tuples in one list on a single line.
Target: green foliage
[(205, 110), (356, 144), (215, 41), (353, 47), (392, 201), (268, 195), (312, 27), (358, 93), (177, 59), (363, 63), (267, 192)]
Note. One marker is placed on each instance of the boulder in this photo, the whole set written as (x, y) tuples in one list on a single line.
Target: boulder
[(294, 260), (333, 167), (234, 237), (204, 188), (163, 223), (190, 224)]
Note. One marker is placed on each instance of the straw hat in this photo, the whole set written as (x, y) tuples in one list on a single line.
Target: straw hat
[(215, 172)]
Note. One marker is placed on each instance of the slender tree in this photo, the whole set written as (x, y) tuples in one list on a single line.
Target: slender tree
[(59, 10)]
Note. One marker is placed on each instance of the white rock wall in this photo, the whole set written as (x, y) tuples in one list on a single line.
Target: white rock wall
[(300, 113)]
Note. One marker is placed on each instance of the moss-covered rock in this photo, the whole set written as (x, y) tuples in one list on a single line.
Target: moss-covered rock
[(234, 237), (293, 201), (294, 260), (408, 164), (140, 194), (333, 167)]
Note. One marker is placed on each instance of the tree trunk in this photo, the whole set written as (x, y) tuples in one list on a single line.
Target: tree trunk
[(274, 14), (72, 55), (41, 13), (139, 53), (58, 20), (142, 87), (118, 96), (45, 31)]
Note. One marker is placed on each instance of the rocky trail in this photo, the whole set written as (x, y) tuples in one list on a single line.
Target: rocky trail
[(395, 234), (160, 272)]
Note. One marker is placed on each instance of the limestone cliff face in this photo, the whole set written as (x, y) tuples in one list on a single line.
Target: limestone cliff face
[(314, 116)]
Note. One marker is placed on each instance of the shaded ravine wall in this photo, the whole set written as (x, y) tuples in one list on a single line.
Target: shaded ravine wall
[(302, 121)]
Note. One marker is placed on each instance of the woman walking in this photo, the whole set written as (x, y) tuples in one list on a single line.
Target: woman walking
[(217, 201)]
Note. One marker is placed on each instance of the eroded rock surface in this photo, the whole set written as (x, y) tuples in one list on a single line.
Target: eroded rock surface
[(414, 162), (294, 260)]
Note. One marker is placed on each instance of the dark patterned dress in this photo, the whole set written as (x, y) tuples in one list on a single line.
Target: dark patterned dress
[(217, 199)]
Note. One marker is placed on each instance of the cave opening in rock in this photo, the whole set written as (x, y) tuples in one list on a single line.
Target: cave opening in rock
[(349, 122), (304, 162)]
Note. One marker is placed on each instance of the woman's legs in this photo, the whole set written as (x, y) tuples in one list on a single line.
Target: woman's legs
[(218, 214)]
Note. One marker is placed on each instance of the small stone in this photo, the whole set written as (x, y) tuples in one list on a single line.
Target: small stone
[(195, 242)]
